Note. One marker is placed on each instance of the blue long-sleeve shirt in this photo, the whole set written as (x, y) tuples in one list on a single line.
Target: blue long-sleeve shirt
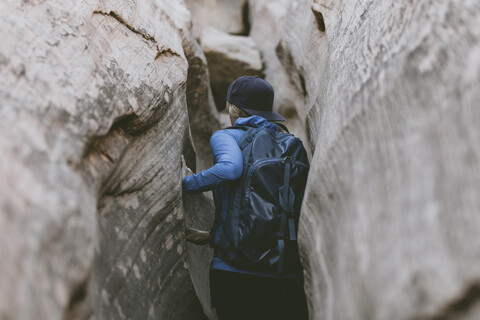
[(228, 162)]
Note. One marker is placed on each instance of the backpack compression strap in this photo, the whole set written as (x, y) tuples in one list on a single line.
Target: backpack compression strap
[(287, 199)]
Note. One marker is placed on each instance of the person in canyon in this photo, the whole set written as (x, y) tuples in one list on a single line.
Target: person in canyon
[(239, 292)]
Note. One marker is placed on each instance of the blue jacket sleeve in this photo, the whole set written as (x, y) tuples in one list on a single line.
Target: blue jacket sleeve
[(228, 164)]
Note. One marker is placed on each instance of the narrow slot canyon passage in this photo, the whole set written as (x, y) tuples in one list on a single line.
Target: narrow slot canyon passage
[(104, 104), (230, 55)]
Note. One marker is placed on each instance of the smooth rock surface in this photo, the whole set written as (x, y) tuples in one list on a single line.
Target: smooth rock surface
[(390, 220), (229, 57), (230, 16), (93, 120)]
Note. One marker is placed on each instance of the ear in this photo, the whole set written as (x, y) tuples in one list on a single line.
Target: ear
[(232, 119)]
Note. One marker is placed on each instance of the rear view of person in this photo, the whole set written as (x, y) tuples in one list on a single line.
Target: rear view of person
[(258, 181)]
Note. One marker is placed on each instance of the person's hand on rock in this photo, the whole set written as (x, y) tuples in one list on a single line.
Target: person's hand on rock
[(197, 237), (185, 170)]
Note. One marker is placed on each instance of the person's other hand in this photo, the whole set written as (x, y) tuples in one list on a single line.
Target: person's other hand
[(185, 170), (197, 237)]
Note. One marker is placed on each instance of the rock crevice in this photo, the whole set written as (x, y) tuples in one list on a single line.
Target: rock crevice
[(117, 17)]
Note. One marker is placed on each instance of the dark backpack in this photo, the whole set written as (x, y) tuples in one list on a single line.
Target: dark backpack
[(260, 230)]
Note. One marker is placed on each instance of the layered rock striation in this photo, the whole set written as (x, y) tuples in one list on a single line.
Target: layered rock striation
[(94, 121)]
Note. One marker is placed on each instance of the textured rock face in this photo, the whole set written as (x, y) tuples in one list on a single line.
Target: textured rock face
[(202, 114), (96, 97), (390, 219), (93, 120)]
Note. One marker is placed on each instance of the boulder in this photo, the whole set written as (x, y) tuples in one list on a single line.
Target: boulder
[(229, 57), (93, 123), (230, 16), (390, 218)]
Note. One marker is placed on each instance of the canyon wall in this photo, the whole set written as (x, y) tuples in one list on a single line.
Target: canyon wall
[(390, 91), (94, 121), (100, 100)]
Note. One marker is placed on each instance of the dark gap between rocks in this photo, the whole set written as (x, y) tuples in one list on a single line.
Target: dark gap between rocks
[(78, 305), (123, 125), (319, 18), (246, 18)]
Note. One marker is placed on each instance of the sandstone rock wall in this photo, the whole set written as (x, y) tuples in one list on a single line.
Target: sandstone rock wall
[(390, 218), (93, 120), (99, 100)]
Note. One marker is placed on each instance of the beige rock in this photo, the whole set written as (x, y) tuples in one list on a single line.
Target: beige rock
[(93, 121), (230, 16), (202, 114), (390, 218), (199, 213), (229, 57)]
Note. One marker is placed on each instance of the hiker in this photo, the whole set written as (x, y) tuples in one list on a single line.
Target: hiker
[(258, 181)]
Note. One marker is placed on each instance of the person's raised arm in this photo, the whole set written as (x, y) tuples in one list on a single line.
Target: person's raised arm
[(228, 164)]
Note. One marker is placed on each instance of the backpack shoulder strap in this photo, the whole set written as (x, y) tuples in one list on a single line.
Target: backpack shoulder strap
[(280, 125), (284, 127), (247, 137), (245, 128)]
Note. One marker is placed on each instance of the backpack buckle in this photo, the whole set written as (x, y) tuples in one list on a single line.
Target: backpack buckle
[(286, 159)]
